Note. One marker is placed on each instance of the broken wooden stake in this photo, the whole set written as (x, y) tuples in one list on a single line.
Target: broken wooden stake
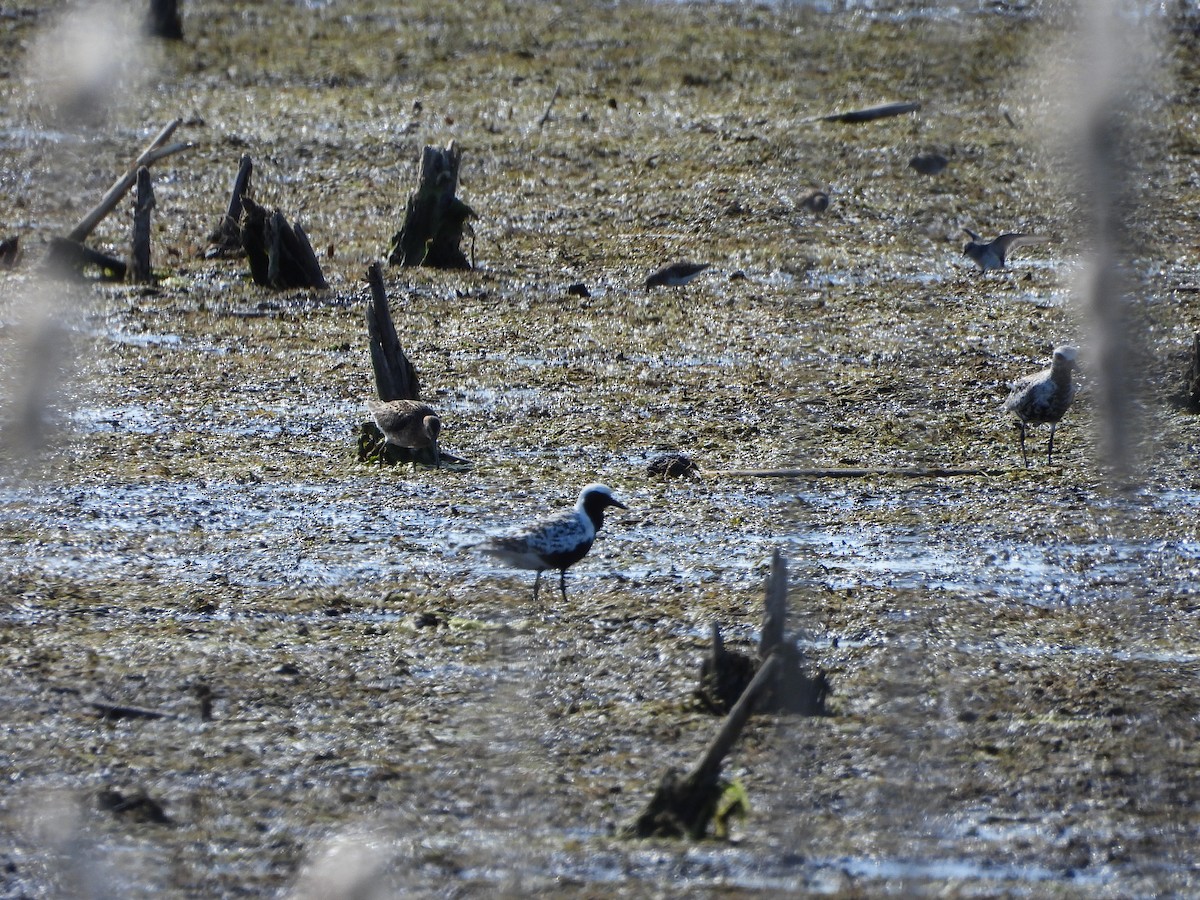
[(279, 253), (156, 150), (434, 218), (10, 252), (139, 260), (226, 238), (395, 377), (1193, 376), (163, 20)]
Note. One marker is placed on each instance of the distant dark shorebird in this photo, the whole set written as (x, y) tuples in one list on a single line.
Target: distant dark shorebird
[(557, 541), (676, 274), (929, 162), (408, 423), (1044, 397), (992, 254)]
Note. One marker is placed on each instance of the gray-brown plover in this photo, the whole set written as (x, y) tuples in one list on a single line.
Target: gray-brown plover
[(557, 541), (676, 274), (408, 423), (992, 254), (1044, 397)]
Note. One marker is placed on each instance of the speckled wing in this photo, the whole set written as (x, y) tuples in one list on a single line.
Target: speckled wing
[(397, 415), (553, 542)]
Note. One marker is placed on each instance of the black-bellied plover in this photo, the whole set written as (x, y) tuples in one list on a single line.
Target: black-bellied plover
[(557, 541), (676, 274), (408, 423), (1044, 397), (992, 254)]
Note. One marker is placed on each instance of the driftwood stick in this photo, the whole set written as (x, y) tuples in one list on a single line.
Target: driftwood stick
[(549, 106), (121, 711), (901, 472), (867, 114), (395, 377), (154, 151), (139, 260)]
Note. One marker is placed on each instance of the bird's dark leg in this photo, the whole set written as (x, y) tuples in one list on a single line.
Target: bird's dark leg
[(536, 582), (1050, 452), (1021, 425), (562, 583)]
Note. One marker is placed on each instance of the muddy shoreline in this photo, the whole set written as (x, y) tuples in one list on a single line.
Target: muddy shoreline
[(1014, 657)]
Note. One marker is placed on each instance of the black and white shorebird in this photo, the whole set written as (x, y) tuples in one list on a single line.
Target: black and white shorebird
[(557, 541), (408, 423), (675, 275), (1044, 397), (992, 254)]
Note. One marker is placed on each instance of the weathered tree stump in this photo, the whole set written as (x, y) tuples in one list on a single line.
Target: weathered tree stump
[(279, 253), (226, 238), (685, 806), (434, 218), (139, 260), (1193, 376), (163, 20), (724, 673), (395, 379)]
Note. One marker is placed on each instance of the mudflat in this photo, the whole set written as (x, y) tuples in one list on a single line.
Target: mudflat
[(343, 690)]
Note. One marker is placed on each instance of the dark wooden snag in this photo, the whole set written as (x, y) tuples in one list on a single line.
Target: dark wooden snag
[(226, 238), (395, 377), (1193, 376), (10, 252), (434, 219), (163, 20), (139, 261), (279, 253), (685, 806), (69, 259)]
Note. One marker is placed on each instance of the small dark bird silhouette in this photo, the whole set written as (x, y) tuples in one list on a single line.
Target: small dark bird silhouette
[(814, 201), (557, 541), (929, 162), (676, 274), (991, 254), (408, 423), (1044, 397)]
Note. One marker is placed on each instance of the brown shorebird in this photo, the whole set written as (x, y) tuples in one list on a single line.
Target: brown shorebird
[(992, 254), (1044, 397), (408, 423), (557, 541), (676, 274)]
